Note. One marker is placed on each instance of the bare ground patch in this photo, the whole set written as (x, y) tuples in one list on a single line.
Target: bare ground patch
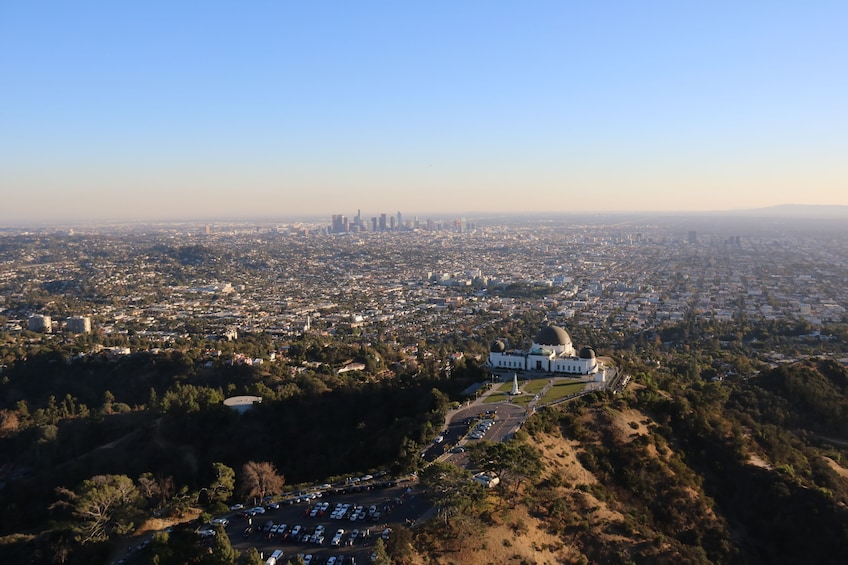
[(838, 469), (756, 460), (520, 538), (157, 524), (560, 455)]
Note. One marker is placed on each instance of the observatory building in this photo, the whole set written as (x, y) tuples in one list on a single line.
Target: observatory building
[(551, 353)]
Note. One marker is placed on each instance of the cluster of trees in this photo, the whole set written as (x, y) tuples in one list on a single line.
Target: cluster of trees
[(158, 421), (105, 508), (792, 510), (463, 506), (514, 462), (50, 383)]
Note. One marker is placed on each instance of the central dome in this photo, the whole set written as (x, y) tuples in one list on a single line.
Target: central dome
[(553, 335)]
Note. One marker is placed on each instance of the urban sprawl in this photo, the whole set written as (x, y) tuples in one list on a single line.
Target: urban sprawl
[(406, 281)]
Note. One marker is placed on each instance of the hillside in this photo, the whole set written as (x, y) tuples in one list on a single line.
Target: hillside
[(695, 473), (692, 463)]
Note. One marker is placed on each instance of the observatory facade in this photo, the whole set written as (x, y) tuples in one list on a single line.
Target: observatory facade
[(551, 352)]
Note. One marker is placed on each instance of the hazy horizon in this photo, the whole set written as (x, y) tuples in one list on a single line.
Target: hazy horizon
[(820, 216), (192, 111)]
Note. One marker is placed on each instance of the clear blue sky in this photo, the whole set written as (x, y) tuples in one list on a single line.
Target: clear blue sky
[(199, 109)]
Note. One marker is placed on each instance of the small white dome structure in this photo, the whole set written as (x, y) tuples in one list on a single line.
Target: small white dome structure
[(242, 403)]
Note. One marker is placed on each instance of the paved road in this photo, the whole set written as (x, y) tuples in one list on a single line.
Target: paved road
[(507, 419)]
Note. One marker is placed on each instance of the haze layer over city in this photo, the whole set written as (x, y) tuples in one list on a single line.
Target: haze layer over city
[(193, 110)]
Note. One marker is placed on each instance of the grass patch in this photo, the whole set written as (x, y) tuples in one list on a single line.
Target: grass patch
[(561, 390), (505, 387), (497, 397), (501, 393), (534, 386), (531, 388), (522, 400)]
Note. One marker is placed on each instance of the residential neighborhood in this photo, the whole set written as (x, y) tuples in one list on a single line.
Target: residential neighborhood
[(161, 283)]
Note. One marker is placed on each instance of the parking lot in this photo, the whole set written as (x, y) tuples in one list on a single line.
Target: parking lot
[(501, 420), (339, 527), (339, 524)]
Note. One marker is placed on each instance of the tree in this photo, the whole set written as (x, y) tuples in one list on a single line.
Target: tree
[(224, 485), (381, 557), (108, 400), (9, 421), (158, 489), (221, 552), (452, 490), (399, 545), (260, 479), (249, 557), (512, 461), (102, 506)]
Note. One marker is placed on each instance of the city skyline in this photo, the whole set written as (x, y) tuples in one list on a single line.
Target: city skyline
[(162, 112)]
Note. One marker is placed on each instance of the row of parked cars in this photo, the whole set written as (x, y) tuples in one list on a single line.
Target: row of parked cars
[(308, 559), (350, 512), (316, 535), (481, 428), (277, 557), (356, 512), (253, 512), (354, 484)]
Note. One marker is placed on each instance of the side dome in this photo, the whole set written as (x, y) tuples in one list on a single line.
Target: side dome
[(553, 335), (498, 347), (587, 353)]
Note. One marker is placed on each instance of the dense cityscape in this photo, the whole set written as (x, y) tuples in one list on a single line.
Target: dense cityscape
[(169, 281)]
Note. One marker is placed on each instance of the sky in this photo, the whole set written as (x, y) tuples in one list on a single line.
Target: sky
[(185, 109)]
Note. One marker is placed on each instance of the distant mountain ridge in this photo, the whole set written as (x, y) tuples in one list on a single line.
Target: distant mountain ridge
[(794, 211)]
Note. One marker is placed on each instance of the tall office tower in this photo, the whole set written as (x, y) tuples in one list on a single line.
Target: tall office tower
[(392, 224), (693, 237), (399, 221), (340, 224), (430, 225), (39, 323), (374, 223), (383, 224), (79, 324)]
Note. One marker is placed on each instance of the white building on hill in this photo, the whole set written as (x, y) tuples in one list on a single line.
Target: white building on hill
[(551, 352)]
